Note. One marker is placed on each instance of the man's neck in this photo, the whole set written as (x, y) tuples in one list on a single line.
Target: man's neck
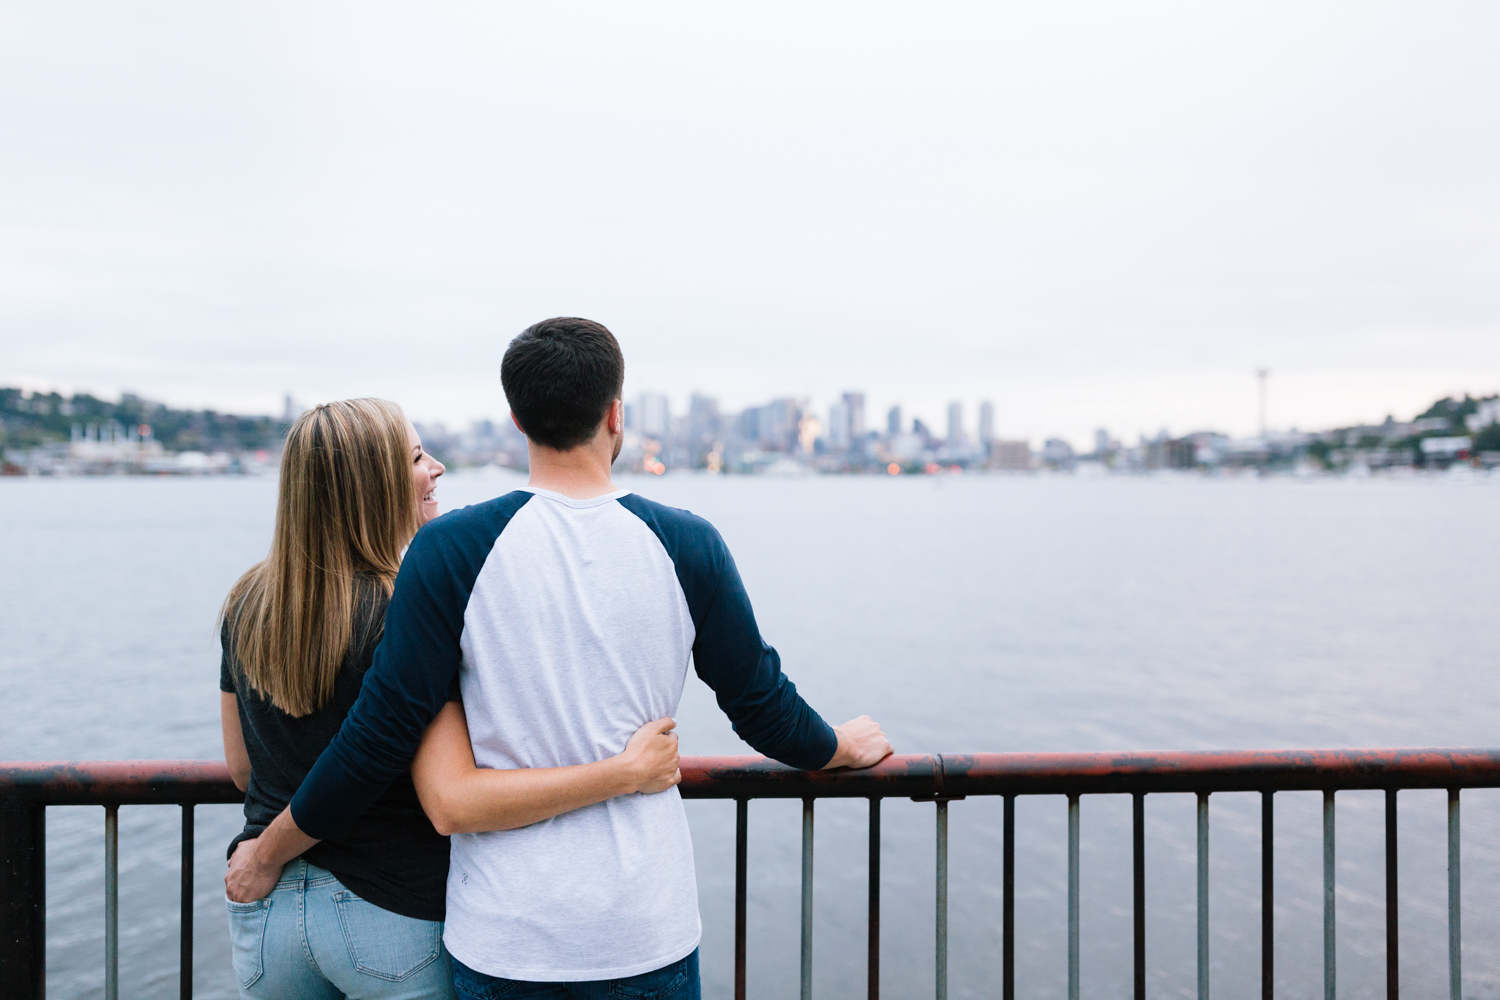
[(580, 473)]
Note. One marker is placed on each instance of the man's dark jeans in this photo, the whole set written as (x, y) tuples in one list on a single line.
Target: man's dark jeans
[(678, 981)]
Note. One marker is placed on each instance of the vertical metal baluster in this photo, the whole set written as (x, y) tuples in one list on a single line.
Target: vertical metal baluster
[(941, 963), (1008, 905), (185, 958), (1392, 950), (1138, 857), (1330, 950), (807, 897), (741, 867), (1267, 896), (1455, 937), (873, 970), (1073, 897), (1202, 896), (112, 902), (23, 898)]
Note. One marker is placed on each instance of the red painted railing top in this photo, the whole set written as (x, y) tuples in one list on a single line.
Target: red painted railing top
[(903, 775)]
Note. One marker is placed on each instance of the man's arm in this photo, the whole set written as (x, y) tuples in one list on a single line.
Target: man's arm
[(732, 658)]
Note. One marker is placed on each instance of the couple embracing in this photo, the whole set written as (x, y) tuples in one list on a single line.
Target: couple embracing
[(459, 761)]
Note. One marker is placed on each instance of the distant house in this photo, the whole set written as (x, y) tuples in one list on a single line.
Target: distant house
[(1488, 413), (1010, 456)]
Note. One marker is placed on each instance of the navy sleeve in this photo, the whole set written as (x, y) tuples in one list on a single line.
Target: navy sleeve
[(728, 651), (414, 671)]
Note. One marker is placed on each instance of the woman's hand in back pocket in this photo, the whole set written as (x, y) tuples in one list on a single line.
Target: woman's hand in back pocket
[(650, 757)]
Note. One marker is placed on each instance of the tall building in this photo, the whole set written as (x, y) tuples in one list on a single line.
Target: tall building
[(652, 416), (854, 406), (955, 423), (838, 425), (986, 423), (893, 421), (1101, 441), (702, 429), (1010, 456)]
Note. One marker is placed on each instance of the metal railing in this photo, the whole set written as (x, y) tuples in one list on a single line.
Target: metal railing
[(27, 788)]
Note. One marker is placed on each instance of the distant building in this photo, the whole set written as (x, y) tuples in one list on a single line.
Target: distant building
[(1446, 447), (1010, 456), (1058, 453), (652, 415), (854, 408), (955, 424), (893, 421), (777, 426), (1487, 413), (703, 433), (838, 425), (1101, 442), (986, 423)]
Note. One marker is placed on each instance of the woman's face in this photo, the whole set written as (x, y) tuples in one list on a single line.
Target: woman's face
[(424, 473)]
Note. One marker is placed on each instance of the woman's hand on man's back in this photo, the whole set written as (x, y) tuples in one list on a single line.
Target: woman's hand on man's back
[(650, 757)]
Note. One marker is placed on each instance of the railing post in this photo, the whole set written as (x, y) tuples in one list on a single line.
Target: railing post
[(1330, 937), (23, 899), (1267, 895), (185, 958), (1008, 903), (1138, 873), (873, 929), (111, 902), (1392, 939), (807, 897), (940, 964), (741, 866), (1455, 912), (1202, 896), (1073, 985)]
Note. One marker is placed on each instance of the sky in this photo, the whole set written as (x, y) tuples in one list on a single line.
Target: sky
[(1094, 215)]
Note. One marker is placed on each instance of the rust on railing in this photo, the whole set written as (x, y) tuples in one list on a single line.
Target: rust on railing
[(956, 775)]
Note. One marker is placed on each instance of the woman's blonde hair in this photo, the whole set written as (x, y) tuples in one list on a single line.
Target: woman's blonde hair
[(347, 505)]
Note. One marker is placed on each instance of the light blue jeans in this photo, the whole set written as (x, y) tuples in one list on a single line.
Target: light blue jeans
[(312, 939)]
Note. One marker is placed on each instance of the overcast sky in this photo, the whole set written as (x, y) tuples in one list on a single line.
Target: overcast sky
[(1093, 214)]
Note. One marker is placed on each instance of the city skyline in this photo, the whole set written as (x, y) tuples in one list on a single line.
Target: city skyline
[(1102, 216)]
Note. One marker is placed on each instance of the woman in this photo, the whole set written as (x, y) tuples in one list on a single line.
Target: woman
[(359, 916)]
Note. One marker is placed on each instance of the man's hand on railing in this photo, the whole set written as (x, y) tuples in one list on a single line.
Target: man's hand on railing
[(862, 743)]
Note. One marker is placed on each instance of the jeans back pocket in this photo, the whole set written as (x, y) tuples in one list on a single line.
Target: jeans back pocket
[(664, 982), (247, 938), (385, 944)]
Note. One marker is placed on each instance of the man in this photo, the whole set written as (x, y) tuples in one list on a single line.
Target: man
[(567, 612)]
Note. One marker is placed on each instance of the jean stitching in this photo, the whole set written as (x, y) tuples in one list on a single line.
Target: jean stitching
[(485, 991), (339, 898), (671, 988), (263, 911)]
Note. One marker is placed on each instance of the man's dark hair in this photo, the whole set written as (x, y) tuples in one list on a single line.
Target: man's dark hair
[(560, 375)]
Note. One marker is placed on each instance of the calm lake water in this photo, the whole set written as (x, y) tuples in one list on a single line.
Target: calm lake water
[(967, 614)]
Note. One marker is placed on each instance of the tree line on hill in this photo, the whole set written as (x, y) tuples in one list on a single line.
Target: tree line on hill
[(28, 420)]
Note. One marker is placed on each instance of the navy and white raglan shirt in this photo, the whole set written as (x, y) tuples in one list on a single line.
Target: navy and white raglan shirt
[(568, 624)]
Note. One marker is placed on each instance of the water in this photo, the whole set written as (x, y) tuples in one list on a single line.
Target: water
[(966, 614)]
